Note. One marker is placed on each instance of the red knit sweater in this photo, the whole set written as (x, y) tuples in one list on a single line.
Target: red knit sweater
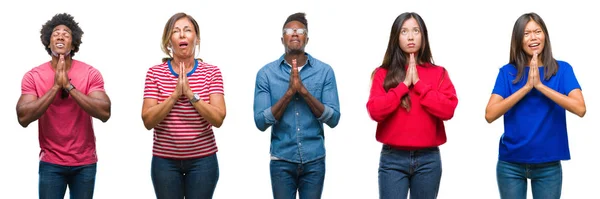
[(433, 100)]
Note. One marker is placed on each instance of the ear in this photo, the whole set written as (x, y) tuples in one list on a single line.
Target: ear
[(306, 41), (281, 41)]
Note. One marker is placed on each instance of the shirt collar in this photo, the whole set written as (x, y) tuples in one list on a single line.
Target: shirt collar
[(309, 60)]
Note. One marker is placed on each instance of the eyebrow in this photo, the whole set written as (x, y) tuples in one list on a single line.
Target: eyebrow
[(64, 29), (533, 29), (180, 28)]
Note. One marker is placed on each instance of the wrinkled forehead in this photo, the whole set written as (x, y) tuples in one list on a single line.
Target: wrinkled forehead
[(294, 25), (61, 28), (183, 23), (532, 25)]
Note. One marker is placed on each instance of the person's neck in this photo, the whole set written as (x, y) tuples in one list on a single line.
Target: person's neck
[(68, 62), (539, 60), (300, 58), (417, 60), (188, 62)]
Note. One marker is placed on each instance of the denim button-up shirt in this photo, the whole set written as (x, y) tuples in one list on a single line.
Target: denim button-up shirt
[(298, 135)]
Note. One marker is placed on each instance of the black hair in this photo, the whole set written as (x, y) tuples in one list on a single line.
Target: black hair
[(61, 19), (299, 16)]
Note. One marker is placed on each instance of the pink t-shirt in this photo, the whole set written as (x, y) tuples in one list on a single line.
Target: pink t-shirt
[(66, 135)]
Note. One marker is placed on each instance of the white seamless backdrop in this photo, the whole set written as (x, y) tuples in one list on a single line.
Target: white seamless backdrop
[(470, 38)]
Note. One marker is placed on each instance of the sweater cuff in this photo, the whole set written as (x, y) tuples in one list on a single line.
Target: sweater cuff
[(421, 87), (400, 90)]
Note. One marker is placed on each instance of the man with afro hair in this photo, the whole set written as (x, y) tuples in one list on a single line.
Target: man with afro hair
[(63, 95)]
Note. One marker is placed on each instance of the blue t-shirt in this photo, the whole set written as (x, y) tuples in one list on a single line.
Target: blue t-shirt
[(535, 129)]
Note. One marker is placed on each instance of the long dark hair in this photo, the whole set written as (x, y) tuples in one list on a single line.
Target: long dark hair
[(395, 60), (519, 58)]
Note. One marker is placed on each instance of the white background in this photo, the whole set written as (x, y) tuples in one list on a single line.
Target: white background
[(122, 40)]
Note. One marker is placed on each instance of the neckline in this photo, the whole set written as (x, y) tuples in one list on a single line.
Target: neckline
[(188, 74)]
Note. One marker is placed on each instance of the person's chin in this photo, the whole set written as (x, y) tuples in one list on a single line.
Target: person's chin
[(295, 51)]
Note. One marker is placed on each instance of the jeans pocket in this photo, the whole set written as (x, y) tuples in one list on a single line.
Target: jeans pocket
[(432, 150), (386, 150)]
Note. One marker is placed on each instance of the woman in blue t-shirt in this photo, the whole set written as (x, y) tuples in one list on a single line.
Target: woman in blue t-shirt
[(533, 91)]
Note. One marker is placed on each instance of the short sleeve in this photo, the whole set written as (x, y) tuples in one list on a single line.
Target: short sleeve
[(500, 88), (569, 81), (28, 85), (150, 87), (96, 81), (216, 82)]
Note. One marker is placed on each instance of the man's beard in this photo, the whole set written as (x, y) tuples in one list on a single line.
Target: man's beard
[(295, 51)]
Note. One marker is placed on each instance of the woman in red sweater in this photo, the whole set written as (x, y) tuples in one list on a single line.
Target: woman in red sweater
[(410, 98)]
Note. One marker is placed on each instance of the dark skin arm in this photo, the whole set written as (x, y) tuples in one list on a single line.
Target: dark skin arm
[(31, 108), (96, 104), (279, 107), (296, 86), (315, 105)]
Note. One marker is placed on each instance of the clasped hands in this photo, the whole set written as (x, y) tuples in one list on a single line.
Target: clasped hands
[(183, 85), (412, 76), (296, 85), (61, 79), (533, 80)]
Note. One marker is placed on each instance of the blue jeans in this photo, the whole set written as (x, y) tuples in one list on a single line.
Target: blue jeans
[(546, 179), (419, 171), (288, 177), (192, 179), (54, 180)]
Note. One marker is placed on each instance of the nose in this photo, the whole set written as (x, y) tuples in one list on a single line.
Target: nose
[(533, 37), (410, 35)]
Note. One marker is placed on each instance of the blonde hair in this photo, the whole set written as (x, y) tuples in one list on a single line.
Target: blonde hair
[(168, 32)]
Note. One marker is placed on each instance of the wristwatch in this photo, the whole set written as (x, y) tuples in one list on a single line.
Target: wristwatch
[(195, 99), (70, 87)]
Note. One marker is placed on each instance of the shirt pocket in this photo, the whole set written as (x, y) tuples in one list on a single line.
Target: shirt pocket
[(315, 89)]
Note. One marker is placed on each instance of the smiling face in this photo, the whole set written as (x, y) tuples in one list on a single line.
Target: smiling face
[(183, 38), (61, 40), (295, 37), (533, 38), (410, 36)]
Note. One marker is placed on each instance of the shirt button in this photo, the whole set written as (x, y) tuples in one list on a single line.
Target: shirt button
[(300, 144), (297, 113), (296, 98), (298, 129)]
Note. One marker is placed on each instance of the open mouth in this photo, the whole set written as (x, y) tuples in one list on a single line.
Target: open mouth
[(60, 45), (183, 44), (534, 45)]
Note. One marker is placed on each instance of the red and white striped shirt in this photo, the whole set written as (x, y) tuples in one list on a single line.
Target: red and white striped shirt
[(184, 133)]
